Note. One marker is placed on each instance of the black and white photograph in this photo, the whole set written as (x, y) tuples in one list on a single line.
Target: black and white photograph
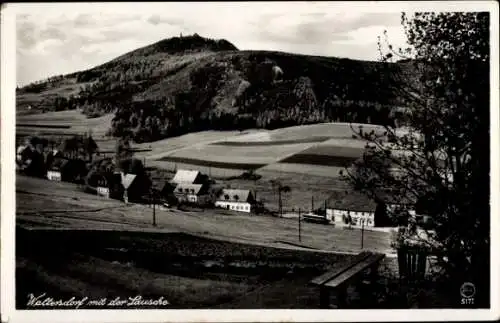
[(255, 156)]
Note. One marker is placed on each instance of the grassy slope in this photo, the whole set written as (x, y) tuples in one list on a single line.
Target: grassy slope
[(252, 229)]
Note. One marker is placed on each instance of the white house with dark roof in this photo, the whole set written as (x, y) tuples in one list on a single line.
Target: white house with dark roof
[(360, 210), (353, 207), (194, 193), (54, 175), (236, 200), (103, 187)]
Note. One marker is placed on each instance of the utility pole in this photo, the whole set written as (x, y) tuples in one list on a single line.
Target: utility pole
[(312, 204), (300, 238), (280, 206), (362, 232), (154, 208)]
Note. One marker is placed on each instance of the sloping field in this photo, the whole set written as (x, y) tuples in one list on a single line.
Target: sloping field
[(188, 271), (313, 170), (240, 154), (323, 159), (332, 130), (212, 171), (164, 147), (210, 163), (240, 143), (77, 121), (326, 155), (299, 149)]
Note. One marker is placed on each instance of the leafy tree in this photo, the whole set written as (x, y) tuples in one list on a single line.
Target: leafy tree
[(444, 155)]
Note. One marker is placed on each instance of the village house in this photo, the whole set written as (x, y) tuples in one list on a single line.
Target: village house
[(358, 210), (54, 175), (192, 193), (353, 209), (103, 187), (62, 169), (55, 169), (236, 200)]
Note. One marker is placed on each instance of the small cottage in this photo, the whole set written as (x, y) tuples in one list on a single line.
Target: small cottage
[(103, 187), (54, 175), (236, 200), (192, 193)]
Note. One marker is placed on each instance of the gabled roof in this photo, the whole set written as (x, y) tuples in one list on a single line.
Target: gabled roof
[(185, 176), (127, 179), (186, 188), (235, 195), (163, 186), (352, 201)]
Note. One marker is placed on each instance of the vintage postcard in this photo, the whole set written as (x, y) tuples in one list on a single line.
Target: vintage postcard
[(285, 161)]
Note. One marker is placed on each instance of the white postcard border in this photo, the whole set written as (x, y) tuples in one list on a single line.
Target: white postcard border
[(7, 300)]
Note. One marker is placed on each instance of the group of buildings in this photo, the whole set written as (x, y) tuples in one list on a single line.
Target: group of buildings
[(192, 187)]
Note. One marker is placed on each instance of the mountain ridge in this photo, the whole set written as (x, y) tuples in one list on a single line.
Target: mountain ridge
[(191, 83)]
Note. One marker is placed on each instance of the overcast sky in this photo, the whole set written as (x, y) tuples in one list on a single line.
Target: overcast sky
[(57, 39)]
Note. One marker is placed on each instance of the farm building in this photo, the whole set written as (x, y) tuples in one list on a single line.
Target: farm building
[(236, 200), (189, 177), (193, 193)]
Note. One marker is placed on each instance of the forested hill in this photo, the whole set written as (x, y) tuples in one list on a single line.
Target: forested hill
[(191, 83)]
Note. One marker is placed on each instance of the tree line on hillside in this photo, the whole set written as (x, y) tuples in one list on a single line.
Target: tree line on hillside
[(263, 103)]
